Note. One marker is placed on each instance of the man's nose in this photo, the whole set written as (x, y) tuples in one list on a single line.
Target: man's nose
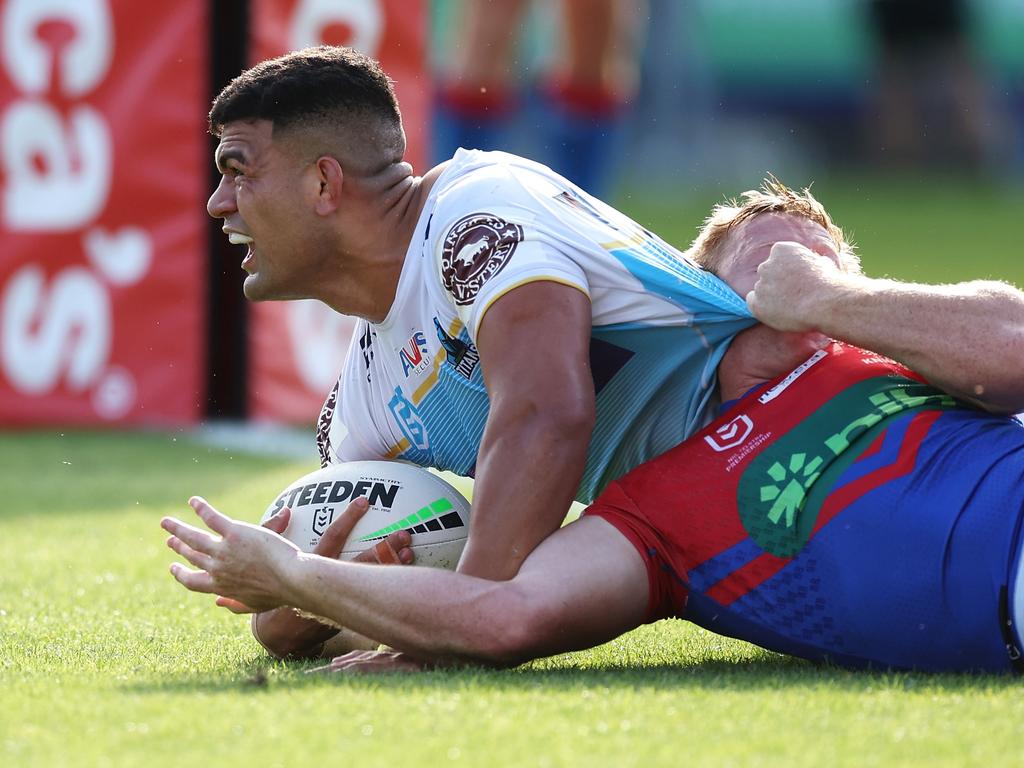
[(222, 202)]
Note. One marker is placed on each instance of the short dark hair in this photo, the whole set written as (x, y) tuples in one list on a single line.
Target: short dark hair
[(326, 83)]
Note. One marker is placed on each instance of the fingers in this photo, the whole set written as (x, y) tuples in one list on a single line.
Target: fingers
[(193, 537), (234, 605), (394, 549), (196, 581), (214, 520), (198, 559), (337, 533), (385, 553), (278, 522)]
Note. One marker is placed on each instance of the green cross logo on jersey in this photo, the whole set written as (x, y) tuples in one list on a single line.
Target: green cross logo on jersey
[(787, 501), (782, 489)]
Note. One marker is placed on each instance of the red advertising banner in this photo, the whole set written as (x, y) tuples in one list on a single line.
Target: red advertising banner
[(297, 348), (103, 159)]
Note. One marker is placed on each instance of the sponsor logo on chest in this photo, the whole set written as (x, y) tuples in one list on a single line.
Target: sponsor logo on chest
[(414, 356)]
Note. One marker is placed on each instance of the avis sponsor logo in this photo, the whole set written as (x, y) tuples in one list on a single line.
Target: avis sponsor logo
[(731, 434), (408, 420), (414, 355), (378, 492)]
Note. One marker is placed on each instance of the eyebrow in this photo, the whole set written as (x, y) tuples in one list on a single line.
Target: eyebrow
[(222, 158)]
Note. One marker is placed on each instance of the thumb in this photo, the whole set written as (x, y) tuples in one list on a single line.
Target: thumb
[(278, 522), (337, 533)]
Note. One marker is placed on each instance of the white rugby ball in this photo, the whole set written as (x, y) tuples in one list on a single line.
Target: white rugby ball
[(401, 496)]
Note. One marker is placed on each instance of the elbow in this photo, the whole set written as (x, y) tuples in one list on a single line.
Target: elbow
[(515, 627), (565, 421), (279, 644), (1000, 389)]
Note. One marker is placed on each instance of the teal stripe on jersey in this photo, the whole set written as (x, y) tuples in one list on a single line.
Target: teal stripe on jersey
[(702, 296), (653, 396)]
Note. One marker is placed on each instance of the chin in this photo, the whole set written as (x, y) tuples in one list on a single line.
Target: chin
[(253, 290)]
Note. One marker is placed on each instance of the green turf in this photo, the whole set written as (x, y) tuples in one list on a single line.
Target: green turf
[(104, 660)]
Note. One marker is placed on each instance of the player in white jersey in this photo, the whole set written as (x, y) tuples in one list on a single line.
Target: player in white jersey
[(412, 385), (515, 328)]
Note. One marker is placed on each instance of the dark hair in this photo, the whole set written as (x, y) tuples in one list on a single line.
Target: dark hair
[(322, 84)]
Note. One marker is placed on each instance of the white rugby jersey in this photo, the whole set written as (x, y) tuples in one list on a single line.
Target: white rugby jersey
[(411, 387)]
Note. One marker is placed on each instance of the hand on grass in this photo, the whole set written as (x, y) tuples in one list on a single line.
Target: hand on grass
[(372, 662)]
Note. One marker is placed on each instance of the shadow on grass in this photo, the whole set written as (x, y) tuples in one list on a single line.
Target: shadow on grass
[(771, 672)]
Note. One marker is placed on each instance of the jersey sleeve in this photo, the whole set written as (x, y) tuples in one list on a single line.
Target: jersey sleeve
[(494, 240)]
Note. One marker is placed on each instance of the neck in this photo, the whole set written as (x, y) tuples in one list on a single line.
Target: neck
[(380, 218), (760, 354)]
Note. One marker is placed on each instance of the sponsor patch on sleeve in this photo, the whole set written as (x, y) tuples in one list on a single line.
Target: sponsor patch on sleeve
[(476, 248)]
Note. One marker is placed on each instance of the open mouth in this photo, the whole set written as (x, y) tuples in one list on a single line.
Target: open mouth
[(237, 238)]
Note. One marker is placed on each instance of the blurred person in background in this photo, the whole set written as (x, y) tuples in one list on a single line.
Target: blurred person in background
[(932, 109), (576, 105)]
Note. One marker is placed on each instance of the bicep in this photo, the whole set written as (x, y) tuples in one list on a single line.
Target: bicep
[(535, 341)]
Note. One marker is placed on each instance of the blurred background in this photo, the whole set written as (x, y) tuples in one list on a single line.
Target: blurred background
[(120, 301)]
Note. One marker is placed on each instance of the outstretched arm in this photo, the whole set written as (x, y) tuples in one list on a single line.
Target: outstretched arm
[(966, 338), (583, 585)]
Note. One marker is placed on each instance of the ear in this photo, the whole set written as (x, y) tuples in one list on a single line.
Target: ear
[(330, 179)]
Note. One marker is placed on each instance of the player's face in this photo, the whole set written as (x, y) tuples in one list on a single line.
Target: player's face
[(752, 242), (260, 200)]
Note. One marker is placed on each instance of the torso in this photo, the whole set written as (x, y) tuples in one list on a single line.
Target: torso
[(412, 387)]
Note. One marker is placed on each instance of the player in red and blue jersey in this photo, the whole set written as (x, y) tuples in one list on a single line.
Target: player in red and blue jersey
[(847, 512), (844, 512), (843, 507)]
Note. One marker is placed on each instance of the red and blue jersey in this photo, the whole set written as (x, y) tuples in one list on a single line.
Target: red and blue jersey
[(846, 512)]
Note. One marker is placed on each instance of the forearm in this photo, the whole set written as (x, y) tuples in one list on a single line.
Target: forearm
[(432, 614), (967, 339), (528, 472)]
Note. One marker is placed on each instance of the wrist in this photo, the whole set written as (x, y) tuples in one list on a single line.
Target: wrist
[(831, 307), (289, 573)]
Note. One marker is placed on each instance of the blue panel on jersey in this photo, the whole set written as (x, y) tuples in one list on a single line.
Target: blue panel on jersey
[(712, 571), (695, 291)]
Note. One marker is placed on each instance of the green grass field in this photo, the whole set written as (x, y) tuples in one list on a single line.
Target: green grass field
[(104, 660)]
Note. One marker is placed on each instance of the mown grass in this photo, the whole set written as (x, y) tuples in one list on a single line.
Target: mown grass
[(105, 661)]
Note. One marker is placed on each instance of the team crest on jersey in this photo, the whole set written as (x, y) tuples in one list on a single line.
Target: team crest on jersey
[(408, 420), (476, 248), (414, 355), (461, 355)]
